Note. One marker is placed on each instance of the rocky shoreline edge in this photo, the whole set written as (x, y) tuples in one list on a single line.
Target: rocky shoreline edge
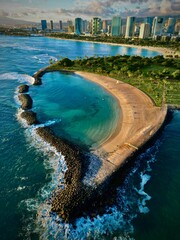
[(77, 199)]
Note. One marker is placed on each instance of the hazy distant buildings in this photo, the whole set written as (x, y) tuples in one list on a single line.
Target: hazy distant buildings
[(170, 25), (60, 26), (43, 25), (109, 29), (177, 27), (130, 25), (85, 26), (78, 26), (144, 30), (123, 30), (150, 21), (69, 23), (116, 26), (154, 27), (51, 25), (136, 31), (70, 29), (96, 26), (157, 26), (104, 26)]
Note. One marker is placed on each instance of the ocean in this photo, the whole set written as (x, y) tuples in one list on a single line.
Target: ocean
[(147, 203)]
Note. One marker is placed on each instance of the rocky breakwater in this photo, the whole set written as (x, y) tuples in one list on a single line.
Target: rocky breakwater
[(87, 188), (23, 88), (38, 75), (26, 105), (70, 201), (76, 198)]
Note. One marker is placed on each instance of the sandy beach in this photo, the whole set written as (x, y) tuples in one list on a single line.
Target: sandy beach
[(140, 120)]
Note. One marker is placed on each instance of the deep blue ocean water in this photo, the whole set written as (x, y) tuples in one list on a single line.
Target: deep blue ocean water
[(148, 201)]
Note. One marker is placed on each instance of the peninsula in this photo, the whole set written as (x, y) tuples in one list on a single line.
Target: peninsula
[(85, 185)]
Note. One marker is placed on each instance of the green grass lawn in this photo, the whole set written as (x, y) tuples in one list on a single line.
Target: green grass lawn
[(158, 77)]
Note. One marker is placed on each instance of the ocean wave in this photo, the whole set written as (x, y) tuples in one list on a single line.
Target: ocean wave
[(22, 78), (131, 200), (44, 58), (53, 161), (85, 228)]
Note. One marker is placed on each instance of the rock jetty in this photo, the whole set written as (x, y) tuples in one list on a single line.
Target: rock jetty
[(26, 101), (86, 190), (23, 88)]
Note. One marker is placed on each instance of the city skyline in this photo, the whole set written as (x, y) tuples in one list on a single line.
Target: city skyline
[(29, 10)]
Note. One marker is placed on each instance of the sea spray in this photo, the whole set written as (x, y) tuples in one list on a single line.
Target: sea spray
[(116, 222), (22, 78), (55, 163)]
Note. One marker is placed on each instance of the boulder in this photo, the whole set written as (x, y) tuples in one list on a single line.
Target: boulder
[(30, 117), (23, 88), (26, 101)]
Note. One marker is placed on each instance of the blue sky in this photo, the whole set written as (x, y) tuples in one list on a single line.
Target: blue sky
[(35, 10)]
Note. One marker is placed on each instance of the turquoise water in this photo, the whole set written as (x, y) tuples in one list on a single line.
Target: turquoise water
[(84, 112), (148, 201)]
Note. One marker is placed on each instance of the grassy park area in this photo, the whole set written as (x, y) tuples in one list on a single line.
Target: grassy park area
[(158, 77)]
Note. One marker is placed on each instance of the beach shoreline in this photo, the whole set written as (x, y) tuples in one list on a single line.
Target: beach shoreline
[(140, 120), (163, 51)]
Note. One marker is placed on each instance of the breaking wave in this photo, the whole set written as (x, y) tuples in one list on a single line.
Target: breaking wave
[(115, 223), (22, 78)]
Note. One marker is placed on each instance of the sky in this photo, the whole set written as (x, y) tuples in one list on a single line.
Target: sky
[(35, 10)]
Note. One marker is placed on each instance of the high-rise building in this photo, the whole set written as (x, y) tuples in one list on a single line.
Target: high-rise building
[(177, 27), (51, 25), (170, 25), (96, 26), (136, 30), (130, 25), (70, 29), (104, 26), (116, 26), (109, 29), (144, 30), (78, 26), (150, 21), (60, 25), (123, 30), (157, 26), (69, 23), (44, 24), (85, 24)]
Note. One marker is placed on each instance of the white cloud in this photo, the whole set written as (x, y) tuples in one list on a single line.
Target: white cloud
[(91, 8)]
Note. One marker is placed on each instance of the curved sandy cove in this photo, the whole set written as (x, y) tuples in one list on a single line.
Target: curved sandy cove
[(140, 120)]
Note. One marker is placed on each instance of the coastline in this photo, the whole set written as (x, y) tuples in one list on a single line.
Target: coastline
[(163, 51), (139, 122), (86, 184)]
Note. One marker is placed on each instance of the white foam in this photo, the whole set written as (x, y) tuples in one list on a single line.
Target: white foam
[(131, 199), (84, 227), (21, 188), (142, 202), (44, 58), (22, 78)]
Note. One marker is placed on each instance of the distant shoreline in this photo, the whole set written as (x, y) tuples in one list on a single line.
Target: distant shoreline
[(163, 51)]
